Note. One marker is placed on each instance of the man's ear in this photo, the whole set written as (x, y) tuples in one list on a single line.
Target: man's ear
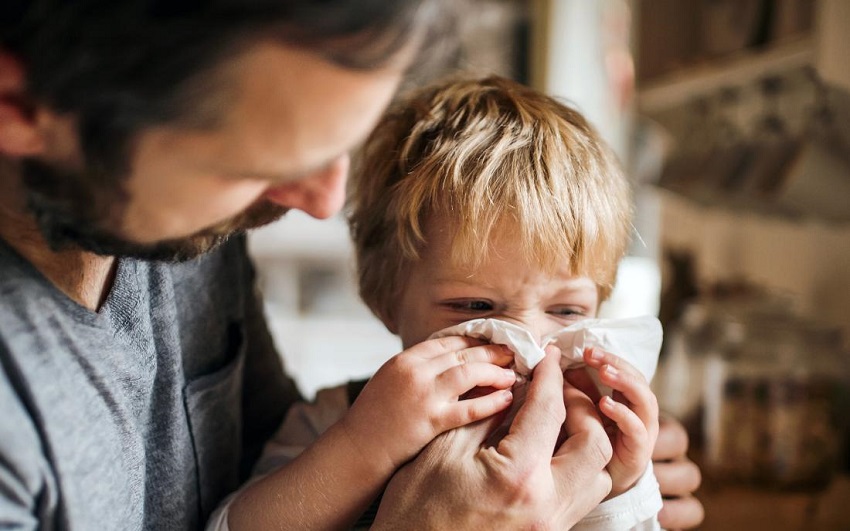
[(19, 132)]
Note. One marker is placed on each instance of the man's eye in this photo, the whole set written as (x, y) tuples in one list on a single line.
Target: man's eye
[(470, 306)]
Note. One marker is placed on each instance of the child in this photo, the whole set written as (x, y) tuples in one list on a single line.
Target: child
[(486, 199), (474, 199)]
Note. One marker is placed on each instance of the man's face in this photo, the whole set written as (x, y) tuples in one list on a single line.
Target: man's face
[(506, 286), (283, 143)]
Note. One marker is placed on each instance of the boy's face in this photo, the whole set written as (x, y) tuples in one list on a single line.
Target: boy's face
[(506, 286)]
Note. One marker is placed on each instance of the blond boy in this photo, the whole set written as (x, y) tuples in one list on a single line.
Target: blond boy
[(482, 198)]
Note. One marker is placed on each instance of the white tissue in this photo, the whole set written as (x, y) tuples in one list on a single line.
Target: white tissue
[(636, 340)]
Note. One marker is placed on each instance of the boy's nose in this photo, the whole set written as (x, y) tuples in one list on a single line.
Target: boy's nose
[(532, 325), (320, 195)]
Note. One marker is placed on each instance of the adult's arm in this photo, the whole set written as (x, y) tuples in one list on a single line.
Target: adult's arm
[(525, 481), (677, 476)]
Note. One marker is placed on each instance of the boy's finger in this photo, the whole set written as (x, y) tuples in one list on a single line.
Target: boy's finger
[(634, 434), (487, 353), (440, 346), (466, 412), (636, 391), (462, 378), (596, 358)]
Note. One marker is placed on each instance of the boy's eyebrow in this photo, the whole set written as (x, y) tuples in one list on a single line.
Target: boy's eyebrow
[(455, 280)]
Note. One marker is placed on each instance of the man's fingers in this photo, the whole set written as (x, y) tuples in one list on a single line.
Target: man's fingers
[(579, 463), (672, 440), (581, 379), (582, 414), (677, 478), (681, 513), (537, 424), (464, 442)]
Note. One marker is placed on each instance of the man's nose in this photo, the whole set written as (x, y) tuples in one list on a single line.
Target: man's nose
[(320, 195)]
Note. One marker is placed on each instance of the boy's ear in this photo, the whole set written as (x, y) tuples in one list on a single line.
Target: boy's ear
[(390, 322), (19, 132)]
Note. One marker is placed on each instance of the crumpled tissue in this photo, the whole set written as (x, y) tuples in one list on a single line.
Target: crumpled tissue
[(636, 340)]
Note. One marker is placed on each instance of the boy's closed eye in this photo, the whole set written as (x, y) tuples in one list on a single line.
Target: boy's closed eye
[(471, 306), (482, 306), (568, 312)]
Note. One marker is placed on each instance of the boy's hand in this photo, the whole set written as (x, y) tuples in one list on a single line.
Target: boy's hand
[(416, 395), (631, 414)]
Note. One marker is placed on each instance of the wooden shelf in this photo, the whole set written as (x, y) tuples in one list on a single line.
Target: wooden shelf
[(741, 68)]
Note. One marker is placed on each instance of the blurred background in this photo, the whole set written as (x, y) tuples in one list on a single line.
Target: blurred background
[(733, 119)]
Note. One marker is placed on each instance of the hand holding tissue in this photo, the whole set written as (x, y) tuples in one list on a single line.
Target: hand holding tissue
[(635, 340)]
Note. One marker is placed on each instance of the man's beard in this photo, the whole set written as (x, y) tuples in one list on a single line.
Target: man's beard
[(72, 209)]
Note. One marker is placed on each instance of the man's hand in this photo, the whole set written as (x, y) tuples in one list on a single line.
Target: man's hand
[(677, 476), (523, 482)]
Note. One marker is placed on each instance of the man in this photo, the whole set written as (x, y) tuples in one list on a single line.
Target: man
[(138, 379)]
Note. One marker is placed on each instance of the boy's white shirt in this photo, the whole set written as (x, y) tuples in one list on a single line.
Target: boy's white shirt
[(637, 340)]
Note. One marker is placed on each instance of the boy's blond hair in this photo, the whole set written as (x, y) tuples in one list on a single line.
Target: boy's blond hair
[(482, 154)]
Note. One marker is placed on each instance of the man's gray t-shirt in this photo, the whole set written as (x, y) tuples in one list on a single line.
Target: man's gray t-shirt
[(142, 415)]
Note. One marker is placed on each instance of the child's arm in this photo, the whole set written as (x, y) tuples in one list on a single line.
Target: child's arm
[(413, 398), (633, 412)]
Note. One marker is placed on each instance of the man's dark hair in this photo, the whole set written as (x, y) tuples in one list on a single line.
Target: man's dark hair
[(121, 65)]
